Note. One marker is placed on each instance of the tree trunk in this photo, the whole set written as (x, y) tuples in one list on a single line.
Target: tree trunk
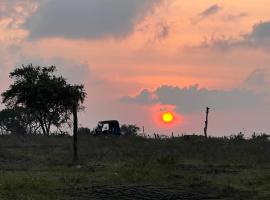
[(75, 134), (42, 124), (43, 128), (47, 128)]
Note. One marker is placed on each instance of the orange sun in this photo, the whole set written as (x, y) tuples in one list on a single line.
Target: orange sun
[(167, 117)]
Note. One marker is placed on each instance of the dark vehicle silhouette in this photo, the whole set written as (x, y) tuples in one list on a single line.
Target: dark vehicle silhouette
[(110, 127)]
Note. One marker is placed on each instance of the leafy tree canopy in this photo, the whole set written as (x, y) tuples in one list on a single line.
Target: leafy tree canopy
[(49, 98)]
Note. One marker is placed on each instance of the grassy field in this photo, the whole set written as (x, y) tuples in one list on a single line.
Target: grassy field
[(37, 167)]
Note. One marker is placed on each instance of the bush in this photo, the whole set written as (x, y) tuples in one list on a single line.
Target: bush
[(239, 136), (130, 129), (84, 131), (262, 136)]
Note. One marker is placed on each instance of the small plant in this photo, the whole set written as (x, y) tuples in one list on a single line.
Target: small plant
[(262, 136), (239, 136)]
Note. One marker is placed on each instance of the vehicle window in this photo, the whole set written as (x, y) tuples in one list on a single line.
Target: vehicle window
[(105, 127)]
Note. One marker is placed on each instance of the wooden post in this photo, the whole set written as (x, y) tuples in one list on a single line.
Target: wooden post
[(206, 122), (75, 135), (143, 129)]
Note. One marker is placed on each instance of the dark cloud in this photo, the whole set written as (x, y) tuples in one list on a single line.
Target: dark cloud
[(87, 18), (260, 31), (258, 78), (163, 31), (259, 82), (259, 37), (236, 17), (145, 97), (218, 42), (195, 99), (210, 11)]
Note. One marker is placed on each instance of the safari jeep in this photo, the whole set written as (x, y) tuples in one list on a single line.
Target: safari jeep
[(110, 127)]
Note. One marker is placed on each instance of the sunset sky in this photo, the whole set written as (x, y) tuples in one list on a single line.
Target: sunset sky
[(141, 58)]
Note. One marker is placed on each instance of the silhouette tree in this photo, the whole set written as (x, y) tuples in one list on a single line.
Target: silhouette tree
[(129, 129), (46, 96), (84, 131), (11, 121), (18, 121)]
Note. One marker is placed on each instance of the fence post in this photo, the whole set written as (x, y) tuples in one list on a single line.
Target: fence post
[(206, 122)]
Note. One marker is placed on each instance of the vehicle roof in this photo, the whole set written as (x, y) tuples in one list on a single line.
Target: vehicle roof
[(109, 122)]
